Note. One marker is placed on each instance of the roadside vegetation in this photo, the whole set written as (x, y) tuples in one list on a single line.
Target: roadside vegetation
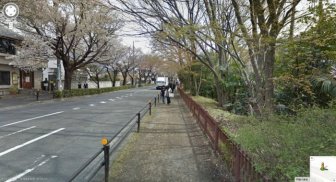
[(90, 91), (280, 145)]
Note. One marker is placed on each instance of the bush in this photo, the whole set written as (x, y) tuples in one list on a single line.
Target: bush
[(280, 145), (13, 89), (91, 91)]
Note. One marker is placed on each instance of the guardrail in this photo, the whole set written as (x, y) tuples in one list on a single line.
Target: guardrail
[(102, 157), (239, 162)]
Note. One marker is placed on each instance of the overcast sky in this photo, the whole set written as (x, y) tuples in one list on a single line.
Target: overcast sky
[(128, 34)]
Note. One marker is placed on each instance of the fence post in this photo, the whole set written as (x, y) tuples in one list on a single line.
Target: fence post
[(138, 121), (150, 108), (237, 164), (155, 101), (37, 94), (217, 138), (106, 149)]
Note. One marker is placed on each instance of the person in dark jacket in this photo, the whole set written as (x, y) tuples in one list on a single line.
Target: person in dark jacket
[(163, 94), (173, 87), (168, 90)]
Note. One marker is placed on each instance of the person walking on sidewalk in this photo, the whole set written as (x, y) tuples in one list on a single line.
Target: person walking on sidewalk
[(163, 94), (168, 90)]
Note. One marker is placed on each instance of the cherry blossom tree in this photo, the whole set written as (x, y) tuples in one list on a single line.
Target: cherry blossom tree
[(77, 31)]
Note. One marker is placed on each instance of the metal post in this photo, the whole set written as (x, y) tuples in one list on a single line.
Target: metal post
[(138, 122), (150, 108), (37, 94), (106, 149), (155, 101), (237, 164)]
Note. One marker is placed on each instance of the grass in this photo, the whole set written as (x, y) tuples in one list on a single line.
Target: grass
[(280, 145)]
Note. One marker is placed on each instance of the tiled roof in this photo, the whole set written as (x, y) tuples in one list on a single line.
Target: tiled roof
[(8, 33)]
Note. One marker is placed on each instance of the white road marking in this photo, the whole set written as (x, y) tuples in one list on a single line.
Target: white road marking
[(38, 117), (29, 170), (76, 108), (39, 158), (102, 102), (111, 99), (29, 142), (118, 97), (92, 105), (17, 132)]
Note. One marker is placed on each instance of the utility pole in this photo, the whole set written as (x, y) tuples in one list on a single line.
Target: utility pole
[(59, 75), (133, 59)]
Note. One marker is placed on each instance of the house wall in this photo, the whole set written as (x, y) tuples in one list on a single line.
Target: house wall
[(38, 79), (14, 75), (91, 84)]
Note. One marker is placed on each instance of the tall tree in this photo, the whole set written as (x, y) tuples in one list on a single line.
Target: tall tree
[(112, 58), (197, 27), (266, 19), (77, 30)]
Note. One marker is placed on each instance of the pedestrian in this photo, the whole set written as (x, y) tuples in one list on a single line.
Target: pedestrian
[(168, 90), (173, 87), (163, 94)]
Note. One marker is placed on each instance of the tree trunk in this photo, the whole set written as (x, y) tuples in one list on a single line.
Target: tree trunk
[(219, 90), (67, 78), (124, 78), (97, 80), (115, 75), (110, 76), (269, 85)]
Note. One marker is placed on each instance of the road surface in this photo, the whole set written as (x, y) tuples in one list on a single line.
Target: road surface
[(50, 141)]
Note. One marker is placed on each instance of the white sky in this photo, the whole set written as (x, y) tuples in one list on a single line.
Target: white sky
[(128, 36)]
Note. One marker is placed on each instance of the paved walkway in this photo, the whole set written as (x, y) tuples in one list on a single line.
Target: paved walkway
[(10, 101), (169, 147)]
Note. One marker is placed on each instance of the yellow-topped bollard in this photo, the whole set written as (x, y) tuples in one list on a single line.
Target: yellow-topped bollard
[(106, 149), (104, 141)]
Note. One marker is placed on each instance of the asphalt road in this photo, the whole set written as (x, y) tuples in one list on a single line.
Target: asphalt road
[(50, 141)]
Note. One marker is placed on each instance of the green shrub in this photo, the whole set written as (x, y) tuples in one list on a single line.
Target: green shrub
[(280, 145), (90, 91), (13, 89)]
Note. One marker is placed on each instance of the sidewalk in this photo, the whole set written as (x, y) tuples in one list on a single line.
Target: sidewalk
[(169, 147), (11, 101)]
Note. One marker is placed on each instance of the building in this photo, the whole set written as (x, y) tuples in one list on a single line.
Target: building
[(9, 76), (13, 78)]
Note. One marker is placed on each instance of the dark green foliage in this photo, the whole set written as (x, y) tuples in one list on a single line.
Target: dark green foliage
[(235, 90), (304, 65), (281, 146)]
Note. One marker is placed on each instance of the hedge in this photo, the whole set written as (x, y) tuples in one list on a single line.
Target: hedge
[(90, 91)]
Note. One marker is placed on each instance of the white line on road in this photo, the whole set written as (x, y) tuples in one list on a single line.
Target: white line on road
[(29, 170), (17, 132), (102, 102), (111, 99), (76, 108), (92, 105), (118, 97), (29, 142), (38, 117)]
